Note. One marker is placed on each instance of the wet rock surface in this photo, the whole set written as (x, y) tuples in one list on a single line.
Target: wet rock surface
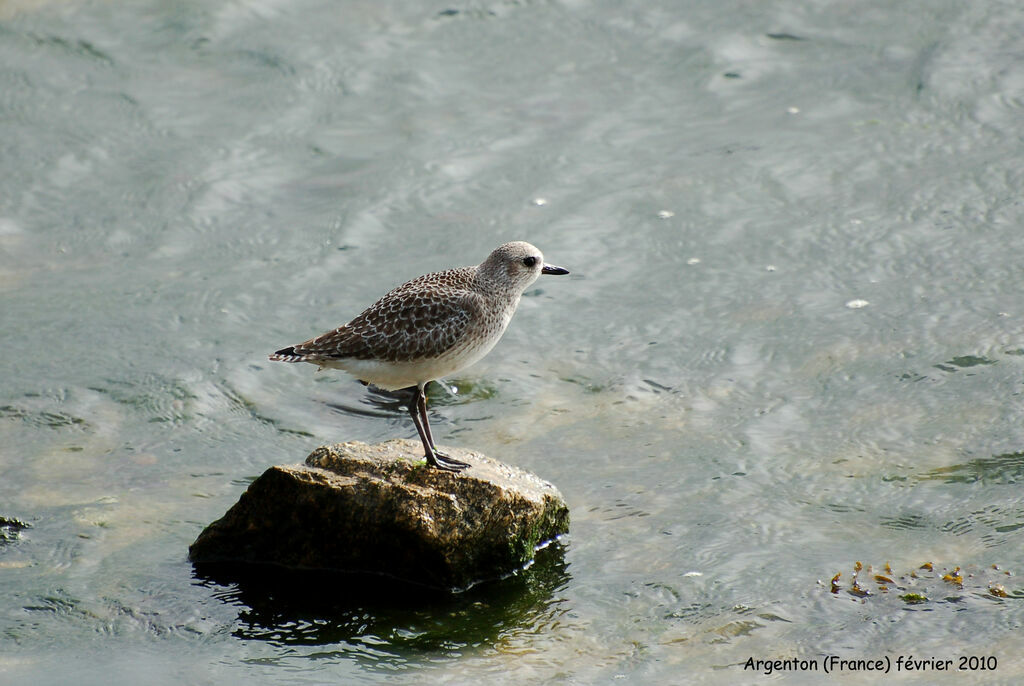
[(378, 509)]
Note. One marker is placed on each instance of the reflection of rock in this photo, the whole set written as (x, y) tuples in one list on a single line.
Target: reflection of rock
[(378, 616), (378, 509)]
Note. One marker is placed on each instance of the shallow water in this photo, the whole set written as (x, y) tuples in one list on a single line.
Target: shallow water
[(792, 339)]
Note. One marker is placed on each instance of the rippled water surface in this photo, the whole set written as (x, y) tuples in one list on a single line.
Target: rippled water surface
[(792, 340)]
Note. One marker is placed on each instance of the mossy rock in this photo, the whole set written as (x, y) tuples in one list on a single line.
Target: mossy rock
[(377, 509)]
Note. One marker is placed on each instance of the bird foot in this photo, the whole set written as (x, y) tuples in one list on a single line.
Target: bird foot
[(440, 460)]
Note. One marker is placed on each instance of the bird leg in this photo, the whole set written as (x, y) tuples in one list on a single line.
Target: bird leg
[(435, 458), (441, 457)]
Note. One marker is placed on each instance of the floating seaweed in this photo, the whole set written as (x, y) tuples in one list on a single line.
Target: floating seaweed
[(11, 528), (923, 584)]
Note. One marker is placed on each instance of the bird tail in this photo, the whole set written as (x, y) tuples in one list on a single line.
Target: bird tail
[(287, 355)]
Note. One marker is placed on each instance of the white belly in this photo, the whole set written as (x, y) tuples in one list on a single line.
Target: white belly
[(394, 375)]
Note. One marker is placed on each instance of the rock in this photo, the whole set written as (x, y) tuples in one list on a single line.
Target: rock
[(379, 509)]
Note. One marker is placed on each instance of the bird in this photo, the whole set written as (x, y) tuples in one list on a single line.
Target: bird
[(428, 328)]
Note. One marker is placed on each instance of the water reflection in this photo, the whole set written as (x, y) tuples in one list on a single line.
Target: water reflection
[(377, 402), (1007, 468), (376, 617)]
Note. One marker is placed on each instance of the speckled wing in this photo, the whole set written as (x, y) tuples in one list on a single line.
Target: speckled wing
[(420, 319)]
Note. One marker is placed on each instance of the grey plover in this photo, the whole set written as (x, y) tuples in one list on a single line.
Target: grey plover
[(428, 328)]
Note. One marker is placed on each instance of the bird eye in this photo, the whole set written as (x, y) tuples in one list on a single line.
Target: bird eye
[(529, 261)]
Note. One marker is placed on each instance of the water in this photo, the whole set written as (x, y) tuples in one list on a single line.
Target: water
[(792, 340)]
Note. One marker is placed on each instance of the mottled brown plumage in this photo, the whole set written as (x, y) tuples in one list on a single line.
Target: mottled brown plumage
[(420, 319)]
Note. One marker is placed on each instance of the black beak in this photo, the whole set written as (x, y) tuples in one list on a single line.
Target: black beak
[(549, 269)]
